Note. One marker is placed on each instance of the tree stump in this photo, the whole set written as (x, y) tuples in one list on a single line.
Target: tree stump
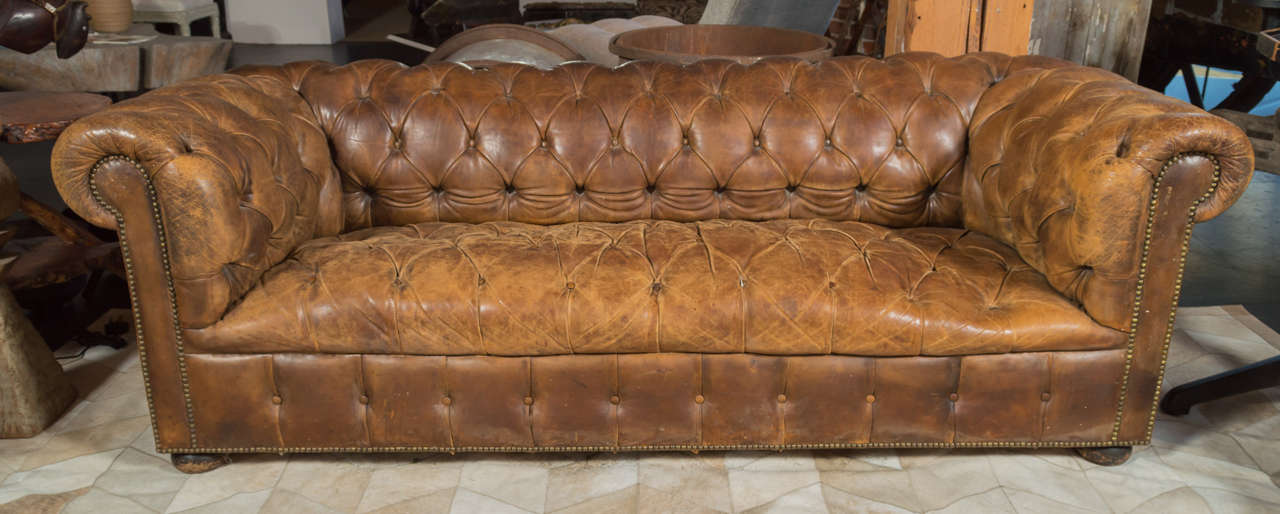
[(34, 391)]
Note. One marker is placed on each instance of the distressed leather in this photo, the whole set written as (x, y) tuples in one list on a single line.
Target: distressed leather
[(784, 287), (385, 233)]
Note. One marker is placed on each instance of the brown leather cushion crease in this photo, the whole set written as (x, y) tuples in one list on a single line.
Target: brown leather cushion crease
[(781, 287)]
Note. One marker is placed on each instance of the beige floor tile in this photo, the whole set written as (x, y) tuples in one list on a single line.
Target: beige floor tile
[(1239, 412), (240, 502), (883, 485), (518, 482), (580, 481), (110, 436), (1026, 502), (66, 475), (680, 479), (856, 460), (41, 502), (1205, 472), (327, 479), (245, 474), (1265, 451), (1267, 333), (841, 502), (808, 499), (620, 501), (143, 479), (1053, 481), (1136, 482), (470, 502), (947, 481), (653, 501), (991, 501), (1183, 349), (146, 443), (1181, 500), (117, 384), (396, 485), (438, 502), (1224, 501), (1198, 440), (97, 501), (1212, 310), (95, 413), (755, 480), (283, 501)]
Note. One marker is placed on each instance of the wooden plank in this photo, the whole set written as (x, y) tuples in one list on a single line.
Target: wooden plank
[(973, 43), (940, 26), (1006, 26), (1101, 33)]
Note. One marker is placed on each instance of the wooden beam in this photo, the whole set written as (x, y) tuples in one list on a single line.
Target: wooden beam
[(1006, 26), (940, 26), (1102, 33)]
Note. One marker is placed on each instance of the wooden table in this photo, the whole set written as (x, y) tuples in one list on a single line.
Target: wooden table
[(35, 391), (116, 68)]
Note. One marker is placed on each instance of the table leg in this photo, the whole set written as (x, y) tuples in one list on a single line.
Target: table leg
[(1259, 375)]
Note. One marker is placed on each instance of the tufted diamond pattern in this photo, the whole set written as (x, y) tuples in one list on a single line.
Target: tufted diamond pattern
[(1062, 163), (848, 139), (776, 287)]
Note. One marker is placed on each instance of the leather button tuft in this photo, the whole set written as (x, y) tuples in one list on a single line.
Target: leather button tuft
[(364, 399), (899, 142), (528, 400), (1044, 397), (446, 400), (782, 398), (871, 398), (757, 142), (277, 399), (614, 399), (698, 399), (954, 397), (569, 286)]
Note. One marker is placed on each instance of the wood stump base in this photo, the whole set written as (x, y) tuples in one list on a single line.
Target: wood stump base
[(34, 392)]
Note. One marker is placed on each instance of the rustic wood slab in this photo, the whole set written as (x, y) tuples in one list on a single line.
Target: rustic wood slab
[(104, 67), (31, 116)]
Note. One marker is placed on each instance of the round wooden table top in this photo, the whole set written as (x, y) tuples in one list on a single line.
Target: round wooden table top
[(31, 116)]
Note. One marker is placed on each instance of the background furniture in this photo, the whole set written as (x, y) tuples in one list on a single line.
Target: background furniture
[(180, 12), (980, 251), (686, 44), (70, 251), (113, 67), (110, 15)]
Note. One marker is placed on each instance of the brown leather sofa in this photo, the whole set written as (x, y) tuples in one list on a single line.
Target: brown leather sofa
[(978, 251)]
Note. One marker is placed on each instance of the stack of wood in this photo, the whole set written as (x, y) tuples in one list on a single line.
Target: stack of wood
[(1263, 132)]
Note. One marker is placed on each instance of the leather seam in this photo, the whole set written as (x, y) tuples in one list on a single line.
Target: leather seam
[(1177, 289), (133, 297), (659, 447)]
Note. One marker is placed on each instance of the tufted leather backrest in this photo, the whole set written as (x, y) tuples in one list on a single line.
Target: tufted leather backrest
[(848, 139)]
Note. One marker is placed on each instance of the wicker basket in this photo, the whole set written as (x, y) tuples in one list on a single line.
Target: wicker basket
[(110, 15)]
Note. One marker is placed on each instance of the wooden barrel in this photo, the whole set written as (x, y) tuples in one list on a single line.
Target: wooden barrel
[(684, 44), (110, 15)]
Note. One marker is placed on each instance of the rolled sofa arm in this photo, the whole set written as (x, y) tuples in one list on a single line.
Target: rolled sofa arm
[(1064, 165), (224, 175)]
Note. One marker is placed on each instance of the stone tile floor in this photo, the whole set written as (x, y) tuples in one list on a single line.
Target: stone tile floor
[(1223, 457)]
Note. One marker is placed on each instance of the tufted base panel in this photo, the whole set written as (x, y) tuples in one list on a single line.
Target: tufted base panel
[(782, 287), (316, 402)]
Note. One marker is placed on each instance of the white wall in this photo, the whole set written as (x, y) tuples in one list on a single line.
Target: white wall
[(285, 21)]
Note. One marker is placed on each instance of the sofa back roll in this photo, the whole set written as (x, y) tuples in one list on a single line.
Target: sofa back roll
[(847, 139)]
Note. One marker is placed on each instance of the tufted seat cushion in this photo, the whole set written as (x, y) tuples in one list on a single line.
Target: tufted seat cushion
[(783, 287)]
